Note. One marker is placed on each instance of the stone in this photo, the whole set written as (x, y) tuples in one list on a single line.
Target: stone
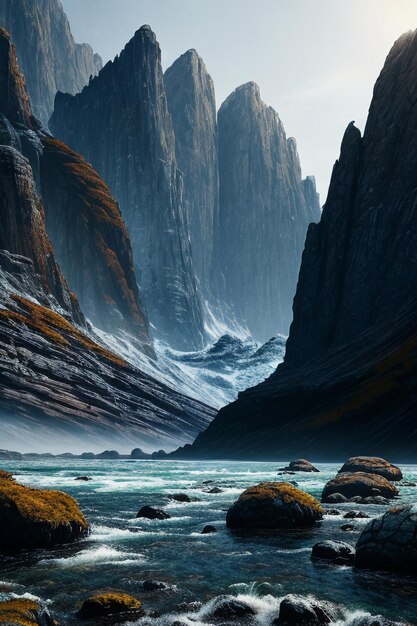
[(153, 585), (37, 518), (373, 465), (336, 498), (110, 603), (273, 506), (20, 611), (331, 512), (337, 552), (83, 478), (388, 542), (359, 484), (150, 512), (209, 529), (230, 608), (356, 515), (302, 612), (300, 465), (347, 527), (182, 497)]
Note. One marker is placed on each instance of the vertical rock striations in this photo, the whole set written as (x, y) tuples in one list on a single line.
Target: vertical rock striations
[(265, 208), (121, 124), (348, 384), (48, 56), (192, 104), (83, 220)]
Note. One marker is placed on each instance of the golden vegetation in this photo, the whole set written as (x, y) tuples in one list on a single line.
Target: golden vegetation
[(55, 328), (108, 603), (6, 475), (284, 491), (41, 505), (20, 612)]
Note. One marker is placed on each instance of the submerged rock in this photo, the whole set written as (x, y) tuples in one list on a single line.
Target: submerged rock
[(302, 612), (338, 552), (356, 515), (227, 607), (149, 512), (110, 603), (153, 585), (389, 542), (207, 530), (359, 484), (274, 505), (372, 465), (183, 497), (37, 518), (84, 478), (300, 465)]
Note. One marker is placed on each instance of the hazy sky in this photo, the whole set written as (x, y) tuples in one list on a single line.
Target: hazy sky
[(316, 61)]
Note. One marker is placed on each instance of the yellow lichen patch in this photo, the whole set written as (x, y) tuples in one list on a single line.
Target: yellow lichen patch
[(19, 611), (57, 329), (286, 492), (108, 603), (41, 505), (6, 475)]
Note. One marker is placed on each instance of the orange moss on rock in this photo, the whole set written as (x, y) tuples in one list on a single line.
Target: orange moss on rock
[(109, 603), (20, 612), (284, 491)]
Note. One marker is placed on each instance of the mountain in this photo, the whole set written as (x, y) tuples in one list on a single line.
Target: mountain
[(58, 382), (192, 104), (50, 59), (265, 209), (348, 384), (121, 124)]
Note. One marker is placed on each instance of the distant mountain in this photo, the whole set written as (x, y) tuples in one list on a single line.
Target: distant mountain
[(192, 104), (57, 379), (121, 124), (50, 59), (265, 209), (348, 384)]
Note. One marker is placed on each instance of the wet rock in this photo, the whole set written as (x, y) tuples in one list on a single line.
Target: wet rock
[(84, 478), (331, 512), (24, 612), (154, 585), (215, 490), (372, 465), (300, 465), (274, 505), (207, 530), (37, 518), (229, 608), (338, 552), (389, 542), (347, 527), (374, 620), (356, 515), (359, 484), (336, 498), (149, 512), (111, 603), (299, 611), (183, 497)]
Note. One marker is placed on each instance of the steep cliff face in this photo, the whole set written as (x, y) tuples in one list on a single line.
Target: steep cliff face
[(265, 208), (192, 104), (121, 124), (89, 236), (91, 241), (348, 384), (48, 56)]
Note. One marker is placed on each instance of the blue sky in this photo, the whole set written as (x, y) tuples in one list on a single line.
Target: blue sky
[(316, 61)]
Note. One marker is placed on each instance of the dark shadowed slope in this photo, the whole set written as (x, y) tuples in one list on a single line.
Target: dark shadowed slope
[(121, 124), (265, 209), (348, 384), (48, 56)]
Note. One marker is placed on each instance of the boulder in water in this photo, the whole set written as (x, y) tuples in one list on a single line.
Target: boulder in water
[(37, 518), (24, 612), (298, 611), (110, 603), (149, 512), (372, 465), (153, 585), (389, 542), (274, 505), (300, 465), (229, 608), (207, 530), (359, 484), (337, 552)]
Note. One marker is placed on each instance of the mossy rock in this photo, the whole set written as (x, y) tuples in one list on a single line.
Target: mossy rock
[(359, 484), (274, 505), (37, 518), (24, 612), (372, 465), (110, 603)]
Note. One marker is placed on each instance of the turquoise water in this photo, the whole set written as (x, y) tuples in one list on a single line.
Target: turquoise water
[(122, 550)]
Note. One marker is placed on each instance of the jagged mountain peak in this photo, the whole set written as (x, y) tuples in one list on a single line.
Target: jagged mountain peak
[(246, 91)]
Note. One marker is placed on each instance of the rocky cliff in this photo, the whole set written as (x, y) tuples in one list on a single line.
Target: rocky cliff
[(90, 239), (121, 124), (265, 209), (50, 59), (192, 104), (348, 384)]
